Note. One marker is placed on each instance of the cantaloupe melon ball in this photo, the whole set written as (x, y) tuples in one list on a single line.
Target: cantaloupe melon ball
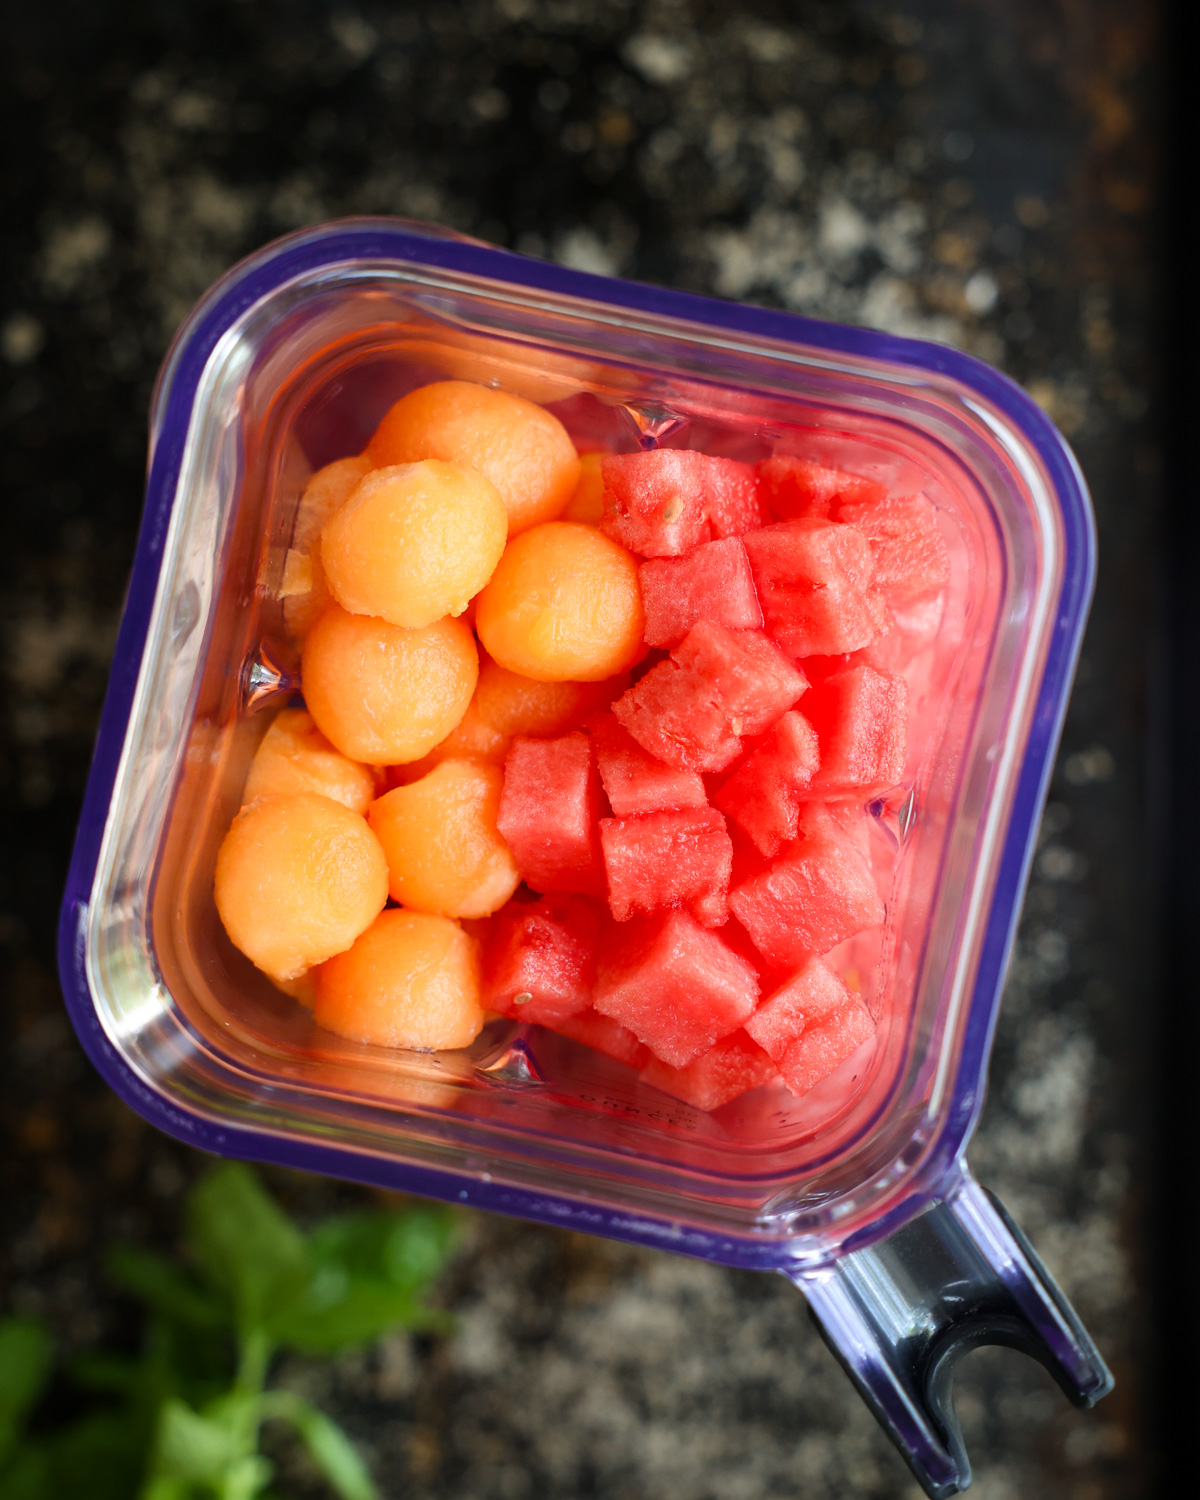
[(444, 852), (411, 980), (563, 606), (298, 877), (383, 694), (294, 756), (414, 542), (470, 739), (505, 705), (304, 591), (512, 704), (522, 448), (587, 503)]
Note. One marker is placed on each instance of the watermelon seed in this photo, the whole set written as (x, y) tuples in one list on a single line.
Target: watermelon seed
[(737, 725), (523, 998), (673, 509)]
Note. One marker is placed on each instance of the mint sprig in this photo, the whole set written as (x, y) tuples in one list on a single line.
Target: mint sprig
[(184, 1419)]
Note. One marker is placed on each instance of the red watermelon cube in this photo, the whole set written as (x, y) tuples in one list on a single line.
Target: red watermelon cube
[(913, 627), (731, 1067), (675, 985), (814, 584), (636, 782), (763, 795), (548, 813), (656, 502), (692, 710), (814, 896), (810, 996), (793, 488), (711, 583), (604, 1035), (539, 961), (909, 550), (668, 859), (734, 497), (822, 1048), (846, 822), (861, 719)]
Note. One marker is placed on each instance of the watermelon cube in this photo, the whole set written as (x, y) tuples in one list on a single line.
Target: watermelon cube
[(763, 795), (548, 813), (736, 1063), (668, 859), (734, 497), (634, 781), (913, 627), (861, 719), (814, 896), (675, 985), (908, 548), (847, 822), (711, 583), (718, 685), (604, 1035), (814, 584), (822, 1048), (539, 960), (792, 488), (656, 502), (811, 996)]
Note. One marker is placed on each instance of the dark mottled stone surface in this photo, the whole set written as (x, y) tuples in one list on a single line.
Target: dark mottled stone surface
[(980, 173)]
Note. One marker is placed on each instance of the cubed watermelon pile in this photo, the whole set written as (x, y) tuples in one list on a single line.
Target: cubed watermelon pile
[(695, 853)]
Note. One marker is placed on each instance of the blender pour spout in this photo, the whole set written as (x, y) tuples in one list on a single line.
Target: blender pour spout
[(900, 1313)]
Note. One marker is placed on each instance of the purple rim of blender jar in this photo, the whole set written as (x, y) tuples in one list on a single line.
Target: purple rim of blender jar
[(384, 240)]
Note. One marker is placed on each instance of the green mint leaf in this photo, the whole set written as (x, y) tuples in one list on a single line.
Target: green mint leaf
[(407, 1249), (164, 1488), (200, 1447), (370, 1271), (26, 1354), (331, 1450), (362, 1311), (164, 1288), (247, 1247)]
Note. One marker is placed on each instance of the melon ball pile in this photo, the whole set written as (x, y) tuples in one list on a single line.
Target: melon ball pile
[(588, 743)]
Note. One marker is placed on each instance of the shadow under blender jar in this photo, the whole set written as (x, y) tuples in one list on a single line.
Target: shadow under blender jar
[(858, 1191)]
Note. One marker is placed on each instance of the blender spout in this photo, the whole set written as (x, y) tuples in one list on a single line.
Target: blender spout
[(900, 1313)]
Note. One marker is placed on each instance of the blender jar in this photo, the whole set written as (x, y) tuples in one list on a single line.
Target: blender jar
[(859, 1191)]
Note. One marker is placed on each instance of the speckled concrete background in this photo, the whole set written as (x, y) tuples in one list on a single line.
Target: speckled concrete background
[(965, 170)]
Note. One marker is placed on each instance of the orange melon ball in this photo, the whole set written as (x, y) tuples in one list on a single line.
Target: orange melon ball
[(444, 852), (470, 739), (302, 989), (520, 447), (383, 694), (304, 591), (411, 980), (563, 606), (512, 704), (295, 756), (414, 542), (298, 877), (587, 503)]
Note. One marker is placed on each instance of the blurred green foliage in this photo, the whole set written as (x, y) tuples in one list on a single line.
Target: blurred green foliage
[(183, 1420)]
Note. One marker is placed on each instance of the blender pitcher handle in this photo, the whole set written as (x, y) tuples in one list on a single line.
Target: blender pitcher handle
[(900, 1313)]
